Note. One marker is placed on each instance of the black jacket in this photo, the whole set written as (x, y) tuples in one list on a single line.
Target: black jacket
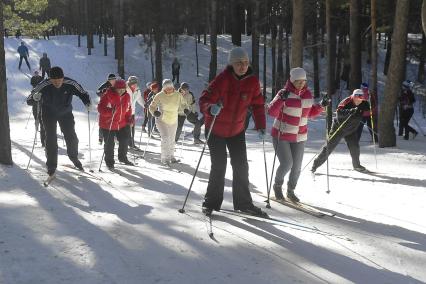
[(35, 80), (57, 102), (346, 109)]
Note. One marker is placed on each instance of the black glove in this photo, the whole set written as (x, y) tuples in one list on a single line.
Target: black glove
[(157, 113), (325, 101), (186, 111), (353, 110), (196, 114), (283, 94), (364, 106)]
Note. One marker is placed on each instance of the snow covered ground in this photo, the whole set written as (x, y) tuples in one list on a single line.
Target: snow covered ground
[(125, 228)]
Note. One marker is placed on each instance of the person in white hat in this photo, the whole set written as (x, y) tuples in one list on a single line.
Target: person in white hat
[(291, 108), (345, 125)]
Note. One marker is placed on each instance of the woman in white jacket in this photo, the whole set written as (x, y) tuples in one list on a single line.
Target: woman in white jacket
[(135, 96)]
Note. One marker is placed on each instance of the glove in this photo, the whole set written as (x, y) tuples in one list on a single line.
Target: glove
[(215, 109), (363, 106), (131, 121), (283, 94), (88, 107), (261, 134), (353, 110), (325, 101), (186, 111), (196, 114), (37, 97), (157, 113)]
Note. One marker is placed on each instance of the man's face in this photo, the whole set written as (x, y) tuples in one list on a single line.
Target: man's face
[(358, 99), (240, 67), (57, 83)]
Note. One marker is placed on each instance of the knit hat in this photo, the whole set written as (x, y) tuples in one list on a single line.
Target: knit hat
[(120, 84), (56, 73), (184, 85), (132, 80), (358, 93), (112, 77), (297, 73), (364, 86), (167, 83), (237, 54), (407, 84)]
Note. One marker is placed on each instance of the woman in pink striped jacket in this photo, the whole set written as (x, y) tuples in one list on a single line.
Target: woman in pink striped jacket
[(291, 108)]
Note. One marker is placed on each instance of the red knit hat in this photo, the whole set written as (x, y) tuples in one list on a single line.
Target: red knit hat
[(120, 84)]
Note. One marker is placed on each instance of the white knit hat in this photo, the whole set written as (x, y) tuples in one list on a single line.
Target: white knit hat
[(237, 54), (167, 83), (358, 92), (297, 73)]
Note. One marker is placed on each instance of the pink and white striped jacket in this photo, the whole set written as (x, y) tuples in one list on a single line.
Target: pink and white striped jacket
[(291, 114)]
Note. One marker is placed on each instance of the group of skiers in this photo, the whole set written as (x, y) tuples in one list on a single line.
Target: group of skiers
[(224, 105), (44, 63)]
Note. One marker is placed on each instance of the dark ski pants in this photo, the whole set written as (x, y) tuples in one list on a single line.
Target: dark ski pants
[(240, 183), (40, 127), (26, 61), (367, 120), (175, 76), (351, 137), (404, 119), (290, 155), (192, 118), (44, 72), (132, 134), (67, 124), (123, 143)]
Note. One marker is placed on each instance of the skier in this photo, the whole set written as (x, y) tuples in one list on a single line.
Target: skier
[(100, 91), (35, 80), (135, 96), (345, 125), (18, 34), (44, 65), (55, 95), (155, 88), (23, 54), (115, 118), (175, 70), (145, 109), (406, 110), (191, 114), (225, 101), (291, 108), (368, 115), (164, 107)]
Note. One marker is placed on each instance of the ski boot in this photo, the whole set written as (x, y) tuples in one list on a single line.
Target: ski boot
[(291, 195)]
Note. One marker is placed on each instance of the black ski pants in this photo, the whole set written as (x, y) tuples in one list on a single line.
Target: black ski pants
[(351, 136), (67, 125), (240, 183), (404, 119), (41, 126), (123, 144), (367, 121), (192, 118), (26, 61)]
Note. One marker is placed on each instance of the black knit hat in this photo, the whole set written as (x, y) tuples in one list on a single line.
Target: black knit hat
[(56, 73), (184, 85), (112, 77)]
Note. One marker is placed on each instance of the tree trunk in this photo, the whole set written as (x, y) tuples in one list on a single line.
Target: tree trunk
[(213, 40), (274, 32), (355, 79), (280, 66), (287, 57), (79, 23), (424, 16), (297, 34), (152, 58), (120, 40), (264, 66), (315, 58), (255, 37), (158, 36), (196, 55), (5, 144), (331, 55), (395, 75), (421, 70), (237, 20), (373, 81), (87, 26)]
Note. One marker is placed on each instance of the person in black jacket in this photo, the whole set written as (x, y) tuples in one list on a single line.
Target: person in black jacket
[(55, 97), (406, 111), (101, 90), (35, 80), (345, 125), (44, 65)]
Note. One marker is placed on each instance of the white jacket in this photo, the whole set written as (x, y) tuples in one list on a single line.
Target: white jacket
[(135, 96)]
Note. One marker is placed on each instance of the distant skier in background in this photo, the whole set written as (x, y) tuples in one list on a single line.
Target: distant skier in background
[(23, 54), (345, 125), (35, 80), (44, 65), (55, 95), (406, 111), (175, 70)]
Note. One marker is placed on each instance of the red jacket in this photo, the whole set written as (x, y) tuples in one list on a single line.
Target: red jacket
[(111, 101), (236, 96)]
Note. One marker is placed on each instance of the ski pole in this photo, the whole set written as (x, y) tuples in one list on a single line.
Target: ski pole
[(107, 140), (149, 137), (35, 135), (327, 140), (266, 172), (28, 119), (183, 139), (182, 210), (90, 144), (372, 126)]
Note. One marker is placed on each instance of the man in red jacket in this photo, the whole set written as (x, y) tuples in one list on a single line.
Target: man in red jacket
[(115, 119), (227, 98)]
